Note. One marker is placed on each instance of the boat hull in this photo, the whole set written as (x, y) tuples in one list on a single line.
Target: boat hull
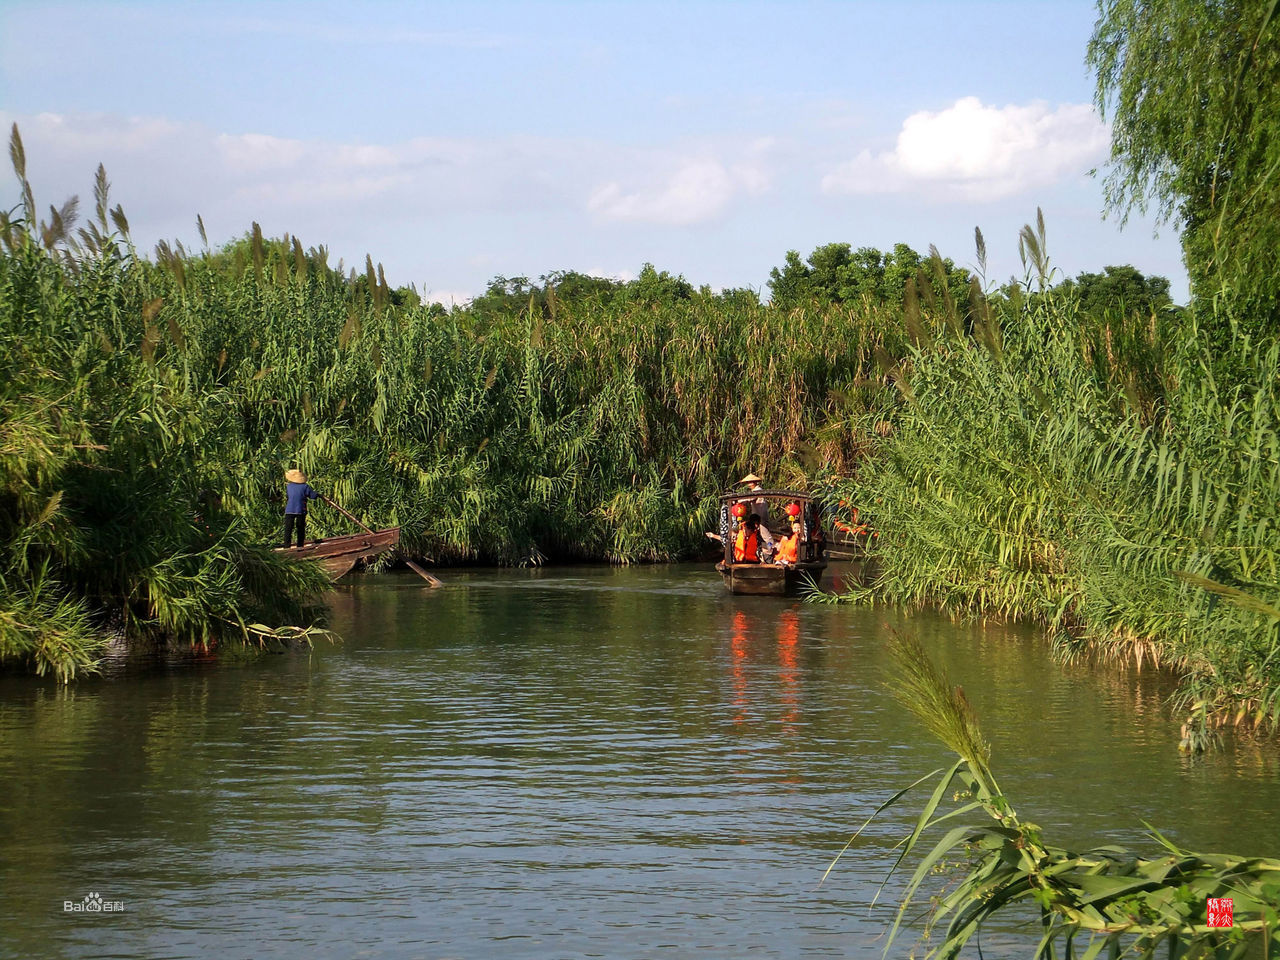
[(767, 579), (339, 555)]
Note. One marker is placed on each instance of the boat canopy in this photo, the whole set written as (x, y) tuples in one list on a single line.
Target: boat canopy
[(787, 496), (754, 577)]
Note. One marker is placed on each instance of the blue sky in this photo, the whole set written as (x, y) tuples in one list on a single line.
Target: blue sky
[(456, 142)]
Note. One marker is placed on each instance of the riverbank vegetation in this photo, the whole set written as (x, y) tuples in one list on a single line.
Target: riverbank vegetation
[(1115, 476), (1114, 482), (1036, 450), (151, 406), (1076, 451), (113, 475)]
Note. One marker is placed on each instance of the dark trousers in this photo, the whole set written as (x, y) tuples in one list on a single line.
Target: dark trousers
[(294, 521)]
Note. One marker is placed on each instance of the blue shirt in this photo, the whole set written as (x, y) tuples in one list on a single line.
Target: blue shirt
[(297, 497)]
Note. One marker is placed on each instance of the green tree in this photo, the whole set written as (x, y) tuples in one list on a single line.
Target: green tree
[(407, 297), (506, 296), (658, 288), (1192, 89), (1123, 290), (837, 274), (791, 285)]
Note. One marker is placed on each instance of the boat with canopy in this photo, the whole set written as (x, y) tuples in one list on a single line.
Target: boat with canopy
[(776, 510)]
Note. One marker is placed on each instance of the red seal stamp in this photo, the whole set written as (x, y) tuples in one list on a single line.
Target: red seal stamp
[(1220, 911)]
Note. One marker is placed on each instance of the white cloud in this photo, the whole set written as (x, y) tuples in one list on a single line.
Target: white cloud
[(165, 172), (423, 205), (257, 152), (976, 152), (697, 190), (71, 134), (174, 170)]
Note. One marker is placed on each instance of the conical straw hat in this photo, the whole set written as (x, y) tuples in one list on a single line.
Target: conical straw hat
[(751, 478), (295, 476)]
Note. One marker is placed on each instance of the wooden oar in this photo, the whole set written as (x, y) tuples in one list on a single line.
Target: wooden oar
[(434, 581), (428, 577)]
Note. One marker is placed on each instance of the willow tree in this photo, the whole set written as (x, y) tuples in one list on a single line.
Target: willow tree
[(1192, 90)]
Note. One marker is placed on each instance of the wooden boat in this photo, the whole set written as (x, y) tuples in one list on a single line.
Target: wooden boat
[(769, 579), (851, 536), (846, 547), (339, 555)]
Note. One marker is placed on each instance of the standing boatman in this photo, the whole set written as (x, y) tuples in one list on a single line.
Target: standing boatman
[(759, 507), (297, 493)]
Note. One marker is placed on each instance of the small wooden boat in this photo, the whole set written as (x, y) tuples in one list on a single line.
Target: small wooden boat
[(770, 579), (845, 547), (339, 555), (851, 537)]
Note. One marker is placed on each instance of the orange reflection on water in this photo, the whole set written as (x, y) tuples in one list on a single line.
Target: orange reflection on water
[(780, 686), (738, 665), (788, 675)]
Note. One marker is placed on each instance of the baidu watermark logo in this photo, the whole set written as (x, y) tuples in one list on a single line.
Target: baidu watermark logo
[(93, 903)]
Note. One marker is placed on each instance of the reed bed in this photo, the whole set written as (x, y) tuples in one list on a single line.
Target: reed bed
[(151, 406), (1112, 476), (585, 431), (1116, 481)]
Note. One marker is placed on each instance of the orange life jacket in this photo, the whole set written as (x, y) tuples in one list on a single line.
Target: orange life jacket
[(787, 549), (747, 547)]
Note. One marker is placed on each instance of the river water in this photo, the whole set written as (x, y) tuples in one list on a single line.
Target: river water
[(574, 762)]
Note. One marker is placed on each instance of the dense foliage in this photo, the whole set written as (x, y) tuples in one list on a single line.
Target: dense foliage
[(835, 273), (150, 409), (1118, 291), (1048, 451), (1117, 482), (903, 280), (1192, 90), (114, 482)]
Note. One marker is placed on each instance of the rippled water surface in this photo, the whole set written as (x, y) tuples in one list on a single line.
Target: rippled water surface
[(559, 763)]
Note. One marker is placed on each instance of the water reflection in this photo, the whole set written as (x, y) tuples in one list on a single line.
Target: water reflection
[(555, 763), (739, 666), (764, 645)]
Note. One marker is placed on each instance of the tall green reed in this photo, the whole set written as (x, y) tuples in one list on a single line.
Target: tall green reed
[(155, 403), (1114, 480)]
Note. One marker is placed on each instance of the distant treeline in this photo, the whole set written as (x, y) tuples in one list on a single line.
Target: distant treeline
[(833, 275), (836, 274)]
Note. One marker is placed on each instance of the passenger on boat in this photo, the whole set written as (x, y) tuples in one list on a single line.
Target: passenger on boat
[(788, 547), (746, 549), (297, 493)]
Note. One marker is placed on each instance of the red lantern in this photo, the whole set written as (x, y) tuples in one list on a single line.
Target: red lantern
[(793, 509), (739, 510)]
